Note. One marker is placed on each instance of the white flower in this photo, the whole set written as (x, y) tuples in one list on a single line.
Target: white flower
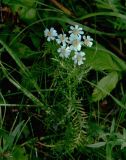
[(75, 42), (77, 31), (62, 39), (78, 58), (50, 34), (64, 51), (88, 41)]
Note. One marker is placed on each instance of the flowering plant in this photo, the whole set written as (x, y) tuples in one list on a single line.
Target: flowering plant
[(73, 43)]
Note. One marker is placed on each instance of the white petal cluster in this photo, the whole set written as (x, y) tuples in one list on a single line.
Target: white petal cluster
[(70, 46), (76, 30), (75, 42), (50, 34), (88, 41), (64, 52), (78, 58), (62, 39)]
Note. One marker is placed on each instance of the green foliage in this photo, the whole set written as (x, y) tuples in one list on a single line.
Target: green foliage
[(116, 7), (101, 59), (29, 3), (8, 140), (25, 9), (73, 111), (19, 154), (21, 50), (105, 86)]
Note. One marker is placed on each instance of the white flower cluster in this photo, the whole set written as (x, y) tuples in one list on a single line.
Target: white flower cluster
[(74, 43)]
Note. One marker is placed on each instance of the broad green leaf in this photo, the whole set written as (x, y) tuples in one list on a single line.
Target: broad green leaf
[(105, 86), (99, 59), (97, 145)]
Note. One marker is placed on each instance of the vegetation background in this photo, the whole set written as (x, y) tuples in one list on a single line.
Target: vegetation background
[(50, 109)]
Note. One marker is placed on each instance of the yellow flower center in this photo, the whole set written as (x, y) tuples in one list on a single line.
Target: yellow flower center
[(79, 57), (75, 43), (75, 32), (86, 42), (49, 34), (62, 38)]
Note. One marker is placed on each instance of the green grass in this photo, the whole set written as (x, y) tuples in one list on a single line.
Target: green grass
[(49, 107)]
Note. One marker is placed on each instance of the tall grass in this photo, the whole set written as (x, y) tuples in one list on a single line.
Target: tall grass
[(50, 108)]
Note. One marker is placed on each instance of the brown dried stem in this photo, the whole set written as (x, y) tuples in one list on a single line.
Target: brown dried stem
[(61, 6)]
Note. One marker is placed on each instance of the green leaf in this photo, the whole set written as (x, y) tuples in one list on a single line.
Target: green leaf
[(97, 145), (105, 86), (5, 136), (25, 9), (26, 13), (29, 3), (9, 141), (19, 154), (17, 129), (100, 59)]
